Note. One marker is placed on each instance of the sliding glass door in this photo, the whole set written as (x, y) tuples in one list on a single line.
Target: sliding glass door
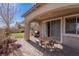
[(54, 29)]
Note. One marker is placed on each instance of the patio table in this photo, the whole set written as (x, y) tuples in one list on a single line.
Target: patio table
[(44, 44), (48, 44)]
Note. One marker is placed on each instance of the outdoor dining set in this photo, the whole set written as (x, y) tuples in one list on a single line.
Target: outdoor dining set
[(49, 45)]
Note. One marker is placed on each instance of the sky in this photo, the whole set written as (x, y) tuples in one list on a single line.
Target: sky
[(22, 8)]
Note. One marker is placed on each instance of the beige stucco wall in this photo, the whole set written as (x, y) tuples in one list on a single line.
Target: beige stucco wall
[(71, 41), (27, 30)]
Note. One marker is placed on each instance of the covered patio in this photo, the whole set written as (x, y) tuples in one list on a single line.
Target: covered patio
[(55, 17), (42, 17)]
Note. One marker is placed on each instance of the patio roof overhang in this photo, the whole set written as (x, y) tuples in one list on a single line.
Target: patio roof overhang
[(58, 12)]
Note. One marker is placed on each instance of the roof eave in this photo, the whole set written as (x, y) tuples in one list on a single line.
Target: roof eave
[(37, 5)]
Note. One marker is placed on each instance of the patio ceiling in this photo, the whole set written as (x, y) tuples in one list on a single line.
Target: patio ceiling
[(63, 11)]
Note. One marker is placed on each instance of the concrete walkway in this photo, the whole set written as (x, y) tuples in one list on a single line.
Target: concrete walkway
[(27, 49)]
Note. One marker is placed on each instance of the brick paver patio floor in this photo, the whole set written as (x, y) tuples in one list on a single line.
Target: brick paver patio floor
[(30, 48)]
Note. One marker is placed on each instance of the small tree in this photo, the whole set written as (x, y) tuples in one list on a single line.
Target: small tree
[(7, 13)]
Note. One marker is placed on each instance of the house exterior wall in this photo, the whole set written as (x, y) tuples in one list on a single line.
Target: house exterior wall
[(71, 41)]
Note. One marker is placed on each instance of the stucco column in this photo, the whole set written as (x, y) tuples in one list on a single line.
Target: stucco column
[(27, 31), (40, 30)]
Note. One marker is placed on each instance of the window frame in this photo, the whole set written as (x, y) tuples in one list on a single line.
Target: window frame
[(67, 34), (77, 28)]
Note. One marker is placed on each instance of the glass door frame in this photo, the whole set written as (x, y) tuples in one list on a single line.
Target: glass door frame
[(44, 24)]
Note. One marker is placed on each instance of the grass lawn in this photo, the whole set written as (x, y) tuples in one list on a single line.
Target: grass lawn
[(18, 35)]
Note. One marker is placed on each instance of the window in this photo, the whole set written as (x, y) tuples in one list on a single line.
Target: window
[(72, 25)]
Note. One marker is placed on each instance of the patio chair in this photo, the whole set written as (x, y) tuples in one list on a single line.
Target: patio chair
[(43, 43), (51, 45)]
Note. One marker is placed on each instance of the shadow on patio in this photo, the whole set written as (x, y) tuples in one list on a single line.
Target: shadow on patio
[(66, 51)]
